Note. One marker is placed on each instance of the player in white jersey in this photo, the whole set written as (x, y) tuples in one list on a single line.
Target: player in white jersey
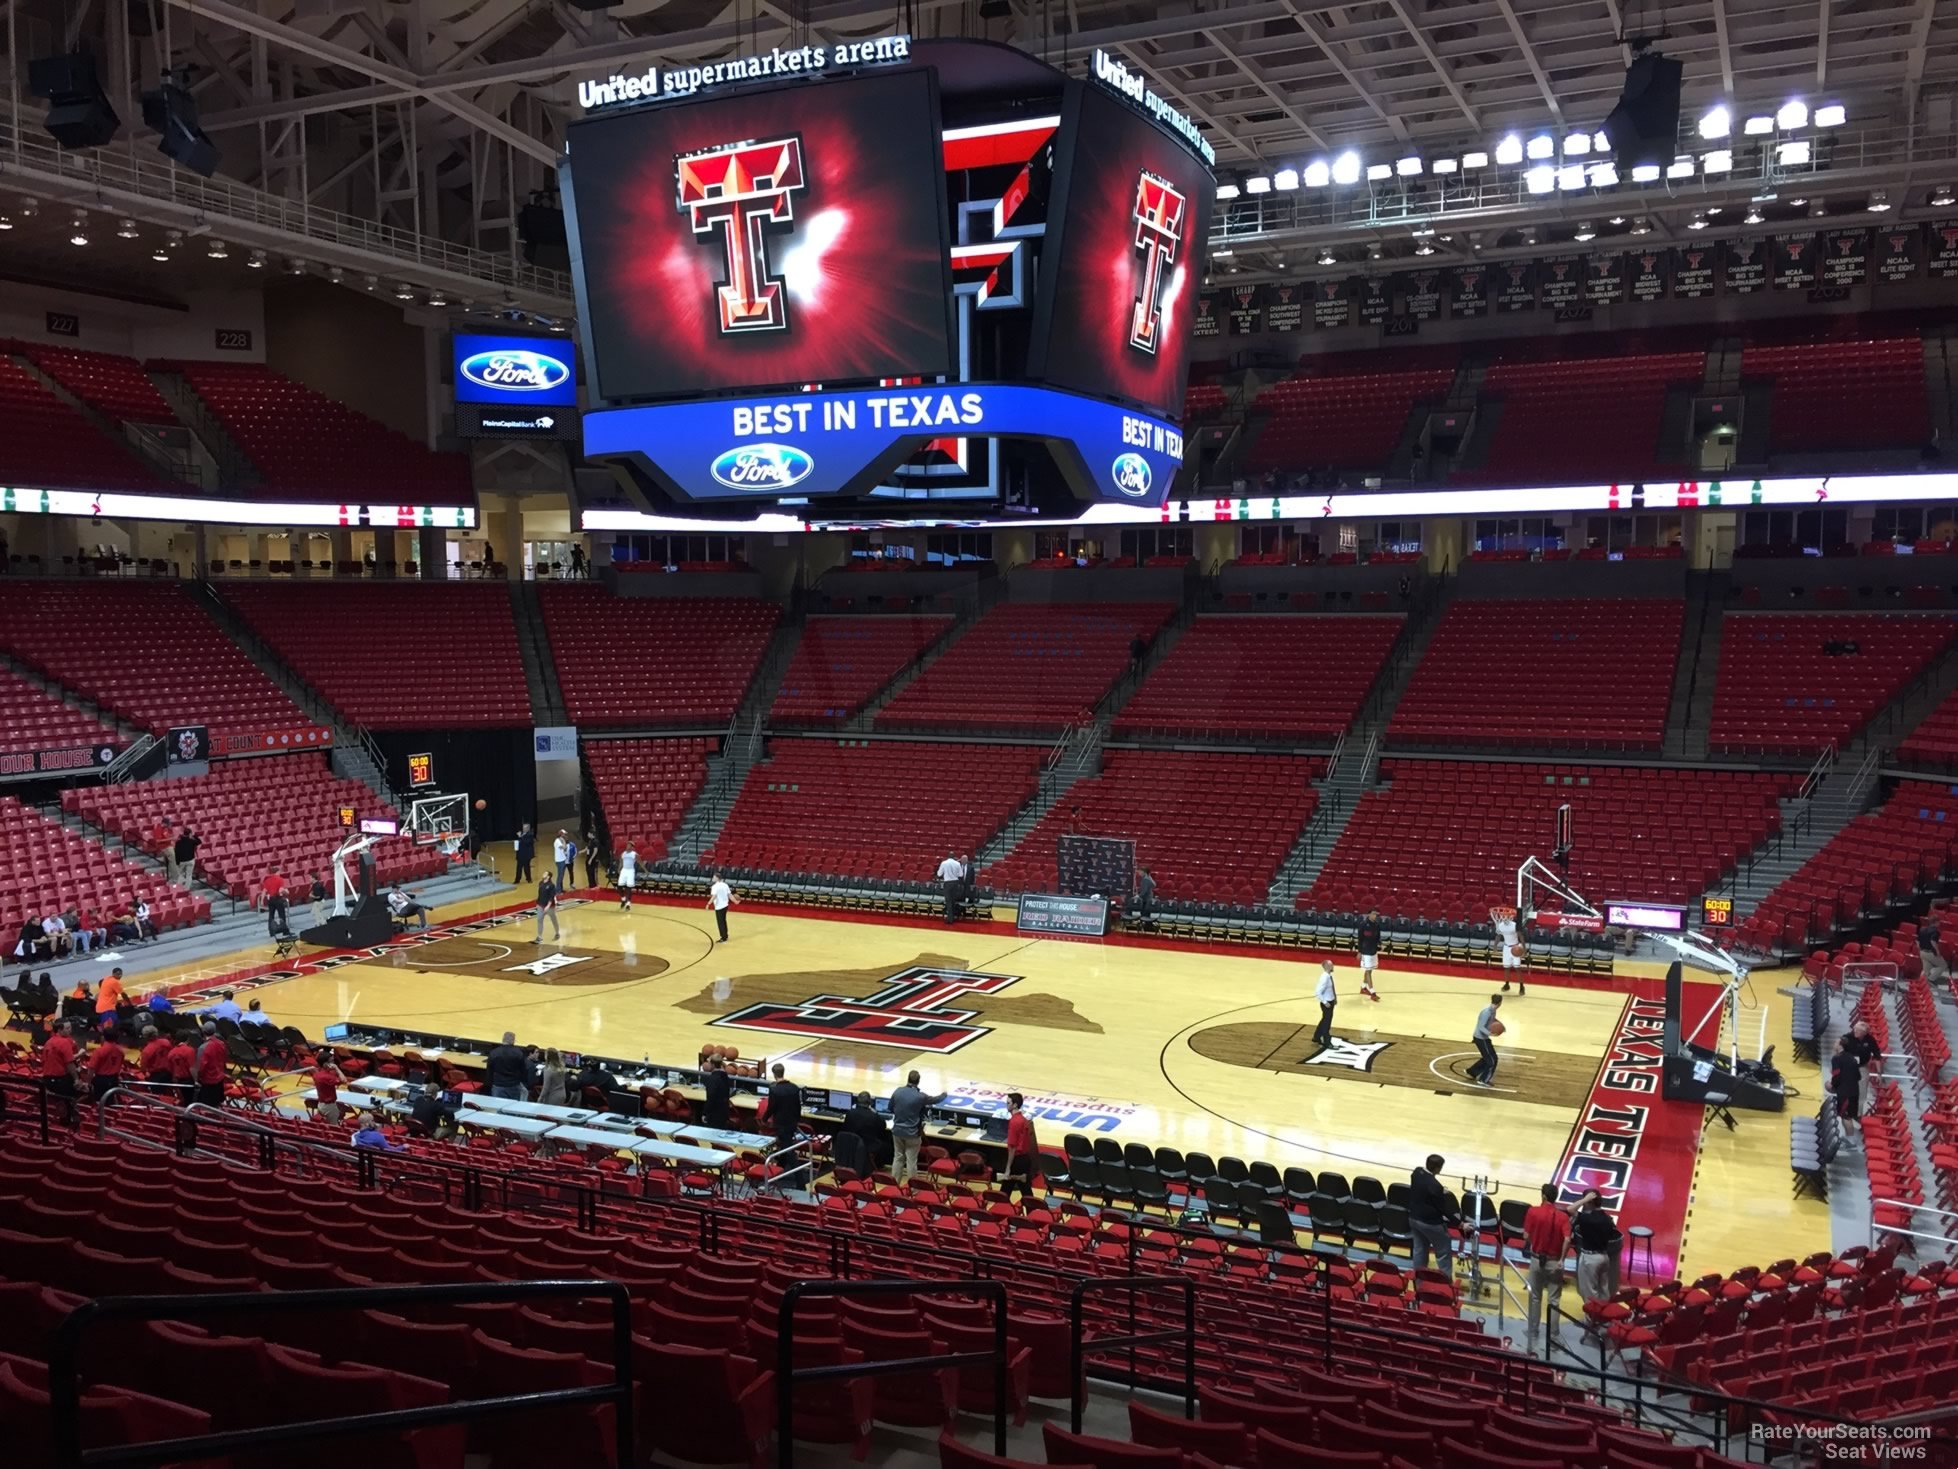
[(1510, 945)]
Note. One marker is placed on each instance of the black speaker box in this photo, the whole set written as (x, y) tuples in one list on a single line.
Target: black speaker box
[(1644, 126), (87, 122)]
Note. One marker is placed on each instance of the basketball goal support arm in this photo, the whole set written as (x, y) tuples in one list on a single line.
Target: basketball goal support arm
[(342, 889), (1531, 877), (1697, 949)]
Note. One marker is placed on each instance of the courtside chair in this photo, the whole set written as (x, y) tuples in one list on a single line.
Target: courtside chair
[(1300, 1185)]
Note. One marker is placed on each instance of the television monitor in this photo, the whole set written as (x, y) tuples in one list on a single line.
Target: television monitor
[(515, 372), (841, 1101), (338, 1031)]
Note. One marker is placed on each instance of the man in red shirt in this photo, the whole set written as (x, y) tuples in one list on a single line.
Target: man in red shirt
[(182, 1061), (326, 1088), (106, 1064), (1546, 1234), (1022, 1150), (210, 1067), (58, 1065), (154, 1059)]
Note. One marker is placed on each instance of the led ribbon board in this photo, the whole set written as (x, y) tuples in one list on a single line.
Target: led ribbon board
[(821, 444)]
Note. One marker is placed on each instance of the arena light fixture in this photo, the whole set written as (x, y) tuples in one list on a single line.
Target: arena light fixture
[(373, 283), (1641, 226), (1426, 247), (1318, 174), (1941, 196), (78, 228), (1407, 168), (1347, 168), (1475, 158), (217, 249), (1326, 256), (1645, 173), (1830, 115), (1795, 153), (1541, 179), (160, 255), (1818, 210), (1603, 175), (1257, 183), (1716, 122), (1879, 202), (1577, 145), (1758, 125), (403, 291), (6, 220), (295, 266), (335, 274), (437, 298), (1697, 222), (256, 260), (1570, 176), (126, 230), (1378, 173), (1585, 231), (1286, 179), (1753, 215), (1792, 114), (1444, 165), (1509, 151), (1720, 160), (1540, 147), (1680, 168), (1228, 190)]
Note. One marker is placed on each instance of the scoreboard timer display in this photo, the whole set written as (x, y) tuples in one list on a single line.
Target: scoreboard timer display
[(1716, 912), (421, 770)]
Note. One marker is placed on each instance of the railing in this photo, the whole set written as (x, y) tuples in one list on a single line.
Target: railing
[(1864, 778), (125, 766), (1818, 772), (787, 1374), (1332, 760), (1131, 1286), (1370, 760), (65, 1386)]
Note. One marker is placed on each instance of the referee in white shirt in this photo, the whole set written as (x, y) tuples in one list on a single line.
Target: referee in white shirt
[(719, 896), (1328, 995), (951, 872)]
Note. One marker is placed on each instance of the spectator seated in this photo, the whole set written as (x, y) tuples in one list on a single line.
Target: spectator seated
[(706, 651), (1026, 667), (46, 868), (1442, 839), (33, 719), (1587, 675), (879, 809), (1246, 678), (645, 788), (842, 662), (144, 651), (398, 656), (278, 813), (1210, 828), (1790, 683)]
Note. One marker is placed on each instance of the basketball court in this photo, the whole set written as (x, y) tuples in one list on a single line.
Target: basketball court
[(1134, 1040)]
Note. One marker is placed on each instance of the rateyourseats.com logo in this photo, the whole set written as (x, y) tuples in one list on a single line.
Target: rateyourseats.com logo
[(511, 371), (762, 467)]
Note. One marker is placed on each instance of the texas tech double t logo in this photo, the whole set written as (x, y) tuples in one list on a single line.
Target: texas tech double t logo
[(914, 1011), (1159, 212), (745, 190)]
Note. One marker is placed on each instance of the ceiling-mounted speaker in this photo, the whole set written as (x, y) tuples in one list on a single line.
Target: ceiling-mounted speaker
[(1644, 126), (79, 114), (171, 111)]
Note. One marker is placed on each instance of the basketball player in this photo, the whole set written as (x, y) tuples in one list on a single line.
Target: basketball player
[(628, 875), (1369, 945), (1327, 995), (719, 896), (547, 908), (1487, 1028), (1510, 947)]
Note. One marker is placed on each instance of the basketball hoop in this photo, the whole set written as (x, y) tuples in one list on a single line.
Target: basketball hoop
[(440, 822)]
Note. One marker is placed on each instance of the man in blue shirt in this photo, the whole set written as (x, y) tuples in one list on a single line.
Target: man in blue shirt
[(159, 1003), (225, 1009)]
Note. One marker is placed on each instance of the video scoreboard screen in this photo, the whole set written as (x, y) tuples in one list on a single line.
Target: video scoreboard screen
[(771, 239)]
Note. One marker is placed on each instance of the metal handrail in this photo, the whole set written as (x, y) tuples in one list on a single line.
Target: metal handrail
[(1943, 1241), (1817, 772), (1131, 1286), (119, 769), (787, 1374), (65, 1390)]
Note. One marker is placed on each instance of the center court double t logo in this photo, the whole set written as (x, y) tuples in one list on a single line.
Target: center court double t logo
[(745, 192), (1160, 210), (914, 1010)]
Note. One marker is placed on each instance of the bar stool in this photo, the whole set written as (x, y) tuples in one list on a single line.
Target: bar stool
[(1635, 1235)]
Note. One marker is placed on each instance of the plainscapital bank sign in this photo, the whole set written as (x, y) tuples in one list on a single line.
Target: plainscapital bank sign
[(596, 93)]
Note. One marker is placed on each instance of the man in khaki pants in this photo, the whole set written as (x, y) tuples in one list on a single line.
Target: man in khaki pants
[(908, 1105), (1546, 1234)]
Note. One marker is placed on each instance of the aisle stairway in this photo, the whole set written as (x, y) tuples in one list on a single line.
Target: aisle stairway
[(539, 665)]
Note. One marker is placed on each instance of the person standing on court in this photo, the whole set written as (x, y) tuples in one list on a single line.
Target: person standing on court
[(908, 1105), (560, 855), (784, 1107), (508, 1069), (1328, 997), (318, 895), (719, 897), (1487, 1028), (951, 873), (1145, 894), (547, 908), (1509, 947), (718, 1109), (628, 875), (1598, 1244), (1427, 1214), (1546, 1235), (526, 851), (591, 855), (1369, 946)]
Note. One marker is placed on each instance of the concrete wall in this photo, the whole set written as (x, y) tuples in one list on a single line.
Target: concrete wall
[(1329, 582), (1098, 584), (1573, 579), (137, 327), (1876, 572), (356, 348)]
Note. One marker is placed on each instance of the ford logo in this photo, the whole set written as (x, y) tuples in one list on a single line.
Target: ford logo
[(512, 371), (762, 467), (1132, 475)]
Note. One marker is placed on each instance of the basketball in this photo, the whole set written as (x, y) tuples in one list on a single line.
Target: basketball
[(1517, 950), (1496, 1027), (482, 805)]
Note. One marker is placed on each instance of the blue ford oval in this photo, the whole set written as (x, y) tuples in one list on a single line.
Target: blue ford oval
[(1132, 477), (762, 467), (511, 371)]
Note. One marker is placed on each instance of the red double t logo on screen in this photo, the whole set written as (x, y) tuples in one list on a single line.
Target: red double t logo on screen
[(1159, 212), (745, 191)]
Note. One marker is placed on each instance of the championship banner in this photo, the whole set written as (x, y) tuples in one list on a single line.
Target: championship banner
[(1845, 257), (1421, 297), (1562, 280), (1246, 307), (1375, 303), (1284, 308), (1692, 272), (1468, 291), (74, 761), (1604, 279), (1206, 322), (1897, 251), (1747, 266), (1941, 258), (1794, 262), (1332, 303), (1648, 272), (1516, 286)]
